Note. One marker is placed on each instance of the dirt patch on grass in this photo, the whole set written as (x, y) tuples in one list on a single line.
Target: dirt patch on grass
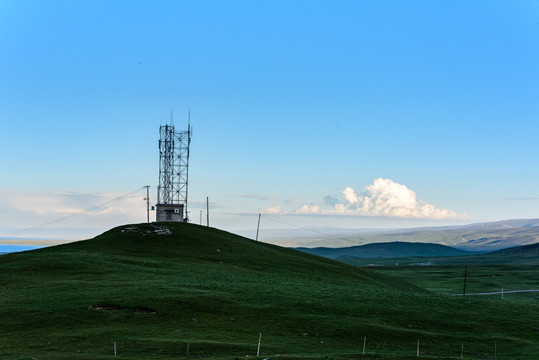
[(103, 307), (115, 307), (143, 310), (148, 230)]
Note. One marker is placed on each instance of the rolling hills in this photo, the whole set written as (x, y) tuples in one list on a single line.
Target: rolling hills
[(165, 291), (473, 237)]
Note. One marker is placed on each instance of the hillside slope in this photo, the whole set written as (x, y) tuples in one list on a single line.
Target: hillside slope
[(164, 291)]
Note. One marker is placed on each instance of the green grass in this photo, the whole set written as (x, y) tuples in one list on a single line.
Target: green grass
[(510, 269), (215, 292)]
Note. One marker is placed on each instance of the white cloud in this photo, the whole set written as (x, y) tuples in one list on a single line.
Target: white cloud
[(308, 209), (350, 195), (259, 197), (384, 197), (270, 210)]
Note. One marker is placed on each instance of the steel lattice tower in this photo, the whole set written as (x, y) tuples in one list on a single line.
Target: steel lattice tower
[(173, 173)]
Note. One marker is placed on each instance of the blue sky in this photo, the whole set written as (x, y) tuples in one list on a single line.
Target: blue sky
[(316, 113)]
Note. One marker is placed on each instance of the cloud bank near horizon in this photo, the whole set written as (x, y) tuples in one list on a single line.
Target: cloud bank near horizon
[(43, 212), (24, 211), (383, 198)]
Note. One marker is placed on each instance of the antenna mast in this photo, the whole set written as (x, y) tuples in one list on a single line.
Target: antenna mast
[(173, 172), (187, 163)]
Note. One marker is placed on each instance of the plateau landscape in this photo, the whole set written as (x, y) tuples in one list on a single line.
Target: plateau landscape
[(269, 179), (177, 290)]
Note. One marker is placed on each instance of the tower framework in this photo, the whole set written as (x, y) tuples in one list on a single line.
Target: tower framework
[(173, 173)]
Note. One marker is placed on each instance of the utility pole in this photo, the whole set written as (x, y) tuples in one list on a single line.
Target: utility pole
[(258, 227), (147, 198), (207, 211), (465, 275)]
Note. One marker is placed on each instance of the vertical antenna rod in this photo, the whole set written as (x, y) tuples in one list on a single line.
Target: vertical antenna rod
[(187, 163)]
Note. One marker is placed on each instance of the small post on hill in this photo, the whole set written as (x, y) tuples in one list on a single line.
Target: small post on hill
[(207, 211), (465, 275), (258, 350), (364, 343), (418, 347), (258, 226)]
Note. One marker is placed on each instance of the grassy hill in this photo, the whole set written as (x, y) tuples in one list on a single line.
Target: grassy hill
[(168, 291), (393, 249)]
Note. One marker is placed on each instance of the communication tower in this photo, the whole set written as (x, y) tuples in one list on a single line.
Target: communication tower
[(173, 173)]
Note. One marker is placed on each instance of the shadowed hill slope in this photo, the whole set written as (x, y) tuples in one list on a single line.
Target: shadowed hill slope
[(161, 291)]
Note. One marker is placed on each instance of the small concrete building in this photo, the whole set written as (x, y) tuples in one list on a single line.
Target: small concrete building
[(169, 212)]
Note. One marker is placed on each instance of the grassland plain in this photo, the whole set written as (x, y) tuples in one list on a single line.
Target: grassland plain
[(169, 291), (509, 269)]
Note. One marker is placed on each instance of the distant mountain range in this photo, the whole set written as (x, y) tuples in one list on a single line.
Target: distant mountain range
[(394, 249), (483, 236), (474, 237)]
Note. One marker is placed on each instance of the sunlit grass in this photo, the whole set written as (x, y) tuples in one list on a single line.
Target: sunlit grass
[(214, 293)]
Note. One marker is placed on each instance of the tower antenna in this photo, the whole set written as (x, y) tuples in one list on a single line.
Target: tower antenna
[(187, 163), (173, 172)]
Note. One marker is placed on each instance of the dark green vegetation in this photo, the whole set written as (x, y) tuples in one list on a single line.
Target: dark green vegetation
[(508, 269), (386, 250), (157, 295)]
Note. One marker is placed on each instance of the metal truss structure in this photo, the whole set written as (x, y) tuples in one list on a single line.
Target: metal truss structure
[(173, 169)]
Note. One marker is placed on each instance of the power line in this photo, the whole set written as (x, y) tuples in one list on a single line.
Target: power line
[(272, 218), (77, 213), (307, 229)]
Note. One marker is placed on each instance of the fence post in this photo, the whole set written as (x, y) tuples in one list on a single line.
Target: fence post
[(364, 343)]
